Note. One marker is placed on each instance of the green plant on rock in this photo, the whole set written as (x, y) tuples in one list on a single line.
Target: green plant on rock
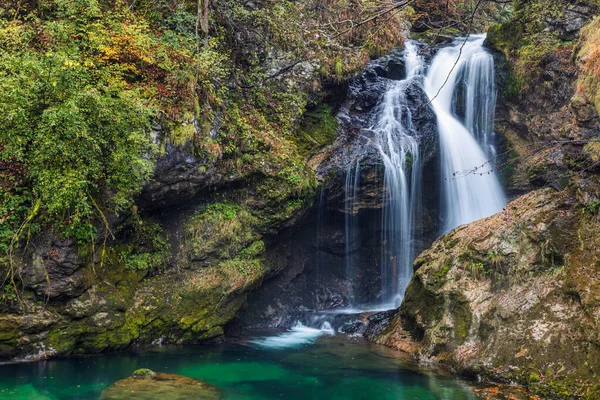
[(525, 41), (534, 378), (220, 230), (147, 248), (495, 259), (8, 295), (317, 129), (476, 269), (591, 208)]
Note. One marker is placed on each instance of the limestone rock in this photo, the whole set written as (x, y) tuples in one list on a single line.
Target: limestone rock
[(160, 386), (511, 297)]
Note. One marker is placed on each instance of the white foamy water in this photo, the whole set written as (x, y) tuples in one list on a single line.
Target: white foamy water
[(398, 145), (470, 188), (297, 336)]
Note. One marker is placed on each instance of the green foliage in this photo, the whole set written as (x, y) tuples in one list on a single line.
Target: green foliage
[(72, 122), (8, 295), (495, 259), (591, 208), (534, 378), (147, 248), (82, 81), (219, 231), (225, 211)]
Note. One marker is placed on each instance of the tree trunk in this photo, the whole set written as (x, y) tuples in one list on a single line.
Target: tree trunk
[(201, 21)]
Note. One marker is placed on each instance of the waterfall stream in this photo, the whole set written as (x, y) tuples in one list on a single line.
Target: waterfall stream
[(460, 86), (470, 188), (397, 142), (351, 224)]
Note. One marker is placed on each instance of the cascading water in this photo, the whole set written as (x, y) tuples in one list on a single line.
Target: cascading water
[(471, 189), (351, 221), (404, 132), (479, 99), (399, 149)]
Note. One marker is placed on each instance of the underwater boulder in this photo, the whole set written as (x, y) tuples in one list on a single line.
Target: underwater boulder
[(147, 384)]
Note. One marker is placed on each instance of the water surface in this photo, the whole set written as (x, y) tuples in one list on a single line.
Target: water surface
[(325, 367)]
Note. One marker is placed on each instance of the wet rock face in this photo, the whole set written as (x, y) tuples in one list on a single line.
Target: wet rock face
[(308, 273), (357, 143), (511, 297), (575, 17), (538, 101), (56, 270), (178, 177)]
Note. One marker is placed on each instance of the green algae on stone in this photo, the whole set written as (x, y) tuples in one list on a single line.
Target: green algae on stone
[(143, 373), (160, 386)]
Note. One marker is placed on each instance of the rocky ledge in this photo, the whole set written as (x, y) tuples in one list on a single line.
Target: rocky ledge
[(512, 298)]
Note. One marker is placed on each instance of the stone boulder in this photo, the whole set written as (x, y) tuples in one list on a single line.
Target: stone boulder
[(512, 298), (147, 384)]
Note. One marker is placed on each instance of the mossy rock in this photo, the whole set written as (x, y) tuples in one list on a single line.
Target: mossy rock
[(160, 386), (143, 373), (317, 129)]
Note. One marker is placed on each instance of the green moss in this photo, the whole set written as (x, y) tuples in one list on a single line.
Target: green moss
[(461, 313), (220, 231), (256, 249), (317, 129), (444, 271), (437, 36), (143, 373), (505, 37), (145, 247), (525, 42), (419, 262), (533, 378)]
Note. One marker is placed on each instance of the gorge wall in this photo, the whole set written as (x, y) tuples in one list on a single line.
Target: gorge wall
[(142, 212), (242, 222)]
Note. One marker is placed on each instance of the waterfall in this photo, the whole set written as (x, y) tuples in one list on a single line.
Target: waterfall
[(351, 221), (470, 187), (413, 61), (399, 149), (479, 99)]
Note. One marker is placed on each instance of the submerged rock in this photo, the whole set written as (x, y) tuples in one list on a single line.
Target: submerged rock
[(147, 384)]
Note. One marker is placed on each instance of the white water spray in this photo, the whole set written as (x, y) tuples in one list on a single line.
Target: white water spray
[(298, 335)]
